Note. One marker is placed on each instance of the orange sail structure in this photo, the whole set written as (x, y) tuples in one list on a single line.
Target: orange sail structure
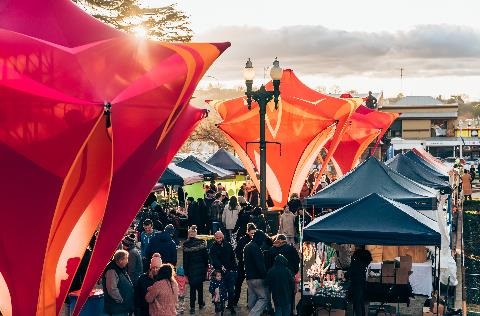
[(67, 167), (364, 126), (304, 121)]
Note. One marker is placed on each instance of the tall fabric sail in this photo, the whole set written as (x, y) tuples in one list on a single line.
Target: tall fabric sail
[(304, 121)]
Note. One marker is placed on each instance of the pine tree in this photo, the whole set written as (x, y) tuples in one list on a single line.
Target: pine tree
[(162, 23)]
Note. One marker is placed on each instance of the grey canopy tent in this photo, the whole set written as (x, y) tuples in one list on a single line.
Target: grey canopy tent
[(418, 173), (207, 170), (226, 160), (438, 173), (372, 176), (374, 220), (175, 175)]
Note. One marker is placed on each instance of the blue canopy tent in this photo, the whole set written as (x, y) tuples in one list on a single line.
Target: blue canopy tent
[(207, 170), (175, 175), (418, 173), (226, 160), (374, 220), (372, 176), (438, 173)]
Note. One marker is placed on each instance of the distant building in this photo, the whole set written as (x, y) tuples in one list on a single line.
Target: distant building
[(424, 121)]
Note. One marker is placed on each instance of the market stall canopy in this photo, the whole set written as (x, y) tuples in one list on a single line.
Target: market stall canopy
[(436, 171), (86, 111), (207, 170), (175, 175), (372, 176), (374, 220), (226, 160), (418, 173), (296, 132), (419, 151), (362, 129)]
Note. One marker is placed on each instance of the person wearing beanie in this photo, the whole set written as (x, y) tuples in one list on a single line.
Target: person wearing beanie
[(135, 264), (181, 281), (222, 258), (195, 263), (163, 244), (144, 282)]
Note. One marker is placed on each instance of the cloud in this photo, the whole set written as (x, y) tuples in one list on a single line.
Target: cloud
[(423, 51)]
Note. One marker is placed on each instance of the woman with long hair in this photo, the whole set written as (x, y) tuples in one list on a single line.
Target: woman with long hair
[(162, 296), (230, 216)]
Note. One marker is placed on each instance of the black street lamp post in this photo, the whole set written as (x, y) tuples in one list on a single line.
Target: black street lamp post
[(262, 97)]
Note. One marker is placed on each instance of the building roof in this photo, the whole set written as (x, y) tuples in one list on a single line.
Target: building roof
[(418, 100), (429, 115), (377, 95)]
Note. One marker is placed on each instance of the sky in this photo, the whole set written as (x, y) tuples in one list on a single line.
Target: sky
[(346, 44)]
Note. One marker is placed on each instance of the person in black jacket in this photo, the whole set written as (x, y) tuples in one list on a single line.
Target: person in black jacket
[(280, 246), (361, 258), (242, 242), (144, 282), (195, 264), (255, 273), (282, 286), (222, 257)]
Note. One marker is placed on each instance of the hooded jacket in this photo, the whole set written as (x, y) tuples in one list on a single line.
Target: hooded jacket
[(165, 246), (280, 281), (253, 258), (280, 247)]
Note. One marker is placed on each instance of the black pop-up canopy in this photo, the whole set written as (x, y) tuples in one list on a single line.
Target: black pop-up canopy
[(373, 176), (374, 220), (226, 160), (418, 173), (175, 175)]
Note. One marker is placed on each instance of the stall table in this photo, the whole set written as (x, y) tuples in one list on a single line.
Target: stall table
[(421, 278)]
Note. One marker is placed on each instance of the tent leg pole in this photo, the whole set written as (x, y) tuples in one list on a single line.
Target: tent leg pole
[(439, 287)]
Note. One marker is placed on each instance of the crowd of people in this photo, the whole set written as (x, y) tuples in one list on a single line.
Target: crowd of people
[(145, 277)]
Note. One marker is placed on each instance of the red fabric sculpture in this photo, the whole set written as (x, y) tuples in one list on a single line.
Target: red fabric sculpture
[(59, 67)]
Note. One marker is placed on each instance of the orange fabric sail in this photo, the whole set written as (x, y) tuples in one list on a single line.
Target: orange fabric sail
[(363, 127), (304, 121)]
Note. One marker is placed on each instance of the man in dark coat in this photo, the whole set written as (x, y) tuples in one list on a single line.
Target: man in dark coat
[(282, 286), (117, 286), (195, 263), (163, 244), (222, 258), (255, 273), (242, 242)]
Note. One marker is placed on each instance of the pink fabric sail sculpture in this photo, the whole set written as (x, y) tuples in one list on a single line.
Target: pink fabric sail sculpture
[(59, 67), (304, 121), (364, 126)]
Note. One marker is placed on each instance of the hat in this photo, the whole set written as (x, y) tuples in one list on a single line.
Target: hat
[(170, 229), (129, 241), (219, 234), (180, 271), (156, 260)]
